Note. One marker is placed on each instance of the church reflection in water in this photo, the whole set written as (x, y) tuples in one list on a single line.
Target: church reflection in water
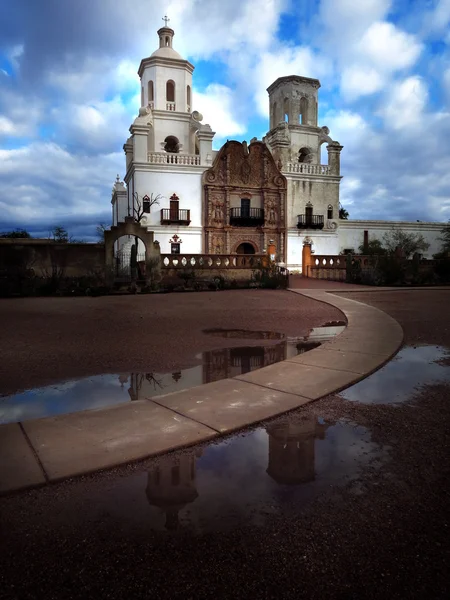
[(216, 365), (172, 484)]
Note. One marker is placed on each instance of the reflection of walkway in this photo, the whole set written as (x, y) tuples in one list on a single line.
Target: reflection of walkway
[(292, 450), (171, 485)]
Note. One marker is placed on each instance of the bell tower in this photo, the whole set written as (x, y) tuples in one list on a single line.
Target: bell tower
[(294, 134)]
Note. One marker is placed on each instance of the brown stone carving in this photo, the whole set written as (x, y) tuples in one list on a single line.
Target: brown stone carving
[(241, 171), (233, 167)]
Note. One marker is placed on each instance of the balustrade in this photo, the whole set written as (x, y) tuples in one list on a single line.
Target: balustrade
[(307, 169), (170, 106), (213, 261), (170, 158)]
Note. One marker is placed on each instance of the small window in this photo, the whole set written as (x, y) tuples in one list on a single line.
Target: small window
[(170, 91), (330, 212), (303, 117), (188, 95), (175, 248), (146, 204), (150, 91), (286, 110), (167, 41)]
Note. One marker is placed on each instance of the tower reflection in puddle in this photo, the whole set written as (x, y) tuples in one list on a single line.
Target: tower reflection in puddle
[(171, 485), (292, 450), (245, 478)]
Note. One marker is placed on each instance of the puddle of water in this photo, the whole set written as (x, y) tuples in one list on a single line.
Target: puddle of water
[(243, 479), (245, 334), (327, 331), (399, 379), (106, 390)]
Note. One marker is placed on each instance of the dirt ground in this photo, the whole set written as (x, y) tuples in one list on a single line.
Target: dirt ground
[(45, 340)]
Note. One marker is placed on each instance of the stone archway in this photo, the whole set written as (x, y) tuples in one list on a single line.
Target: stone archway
[(152, 250), (245, 248)]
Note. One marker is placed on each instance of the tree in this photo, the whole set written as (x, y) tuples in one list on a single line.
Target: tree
[(141, 206), (16, 233), (60, 234), (445, 239), (100, 229), (343, 214), (374, 247), (408, 243)]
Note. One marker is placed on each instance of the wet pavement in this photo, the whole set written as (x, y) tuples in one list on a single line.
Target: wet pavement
[(345, 498), (109, 389)]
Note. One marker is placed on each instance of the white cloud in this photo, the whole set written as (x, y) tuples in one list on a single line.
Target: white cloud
[(359, 81), (48, 182), (282, 62), (216, 104), (388, 48), (346, 20), (405, 104), (7, 126), (217, 26)]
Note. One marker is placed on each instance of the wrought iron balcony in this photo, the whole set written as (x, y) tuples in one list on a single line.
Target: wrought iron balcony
[(247, 217), (310, 222), (171, 216)]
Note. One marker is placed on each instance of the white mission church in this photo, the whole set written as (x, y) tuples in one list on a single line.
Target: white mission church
[(243, 196)]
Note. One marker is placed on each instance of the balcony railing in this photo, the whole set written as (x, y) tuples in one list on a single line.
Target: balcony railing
[(307, 169), (178, 217), (247, 217), (310, 222), (170, 105), (171, 158)]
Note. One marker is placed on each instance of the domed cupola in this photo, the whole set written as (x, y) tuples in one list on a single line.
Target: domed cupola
[(166, 77)]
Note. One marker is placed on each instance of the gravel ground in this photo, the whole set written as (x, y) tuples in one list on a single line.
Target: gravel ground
[(45, 340), (386, 537)]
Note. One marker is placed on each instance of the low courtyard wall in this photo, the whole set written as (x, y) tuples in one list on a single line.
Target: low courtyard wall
[(44, 257), (366, 268)]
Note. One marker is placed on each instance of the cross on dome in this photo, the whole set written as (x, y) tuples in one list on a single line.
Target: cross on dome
[(166, 20)]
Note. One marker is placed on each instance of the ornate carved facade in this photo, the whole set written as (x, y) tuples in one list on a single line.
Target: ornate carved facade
[(244, 201)]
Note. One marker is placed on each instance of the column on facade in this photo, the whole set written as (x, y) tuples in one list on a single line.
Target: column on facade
[(205, 137), (334, 158)]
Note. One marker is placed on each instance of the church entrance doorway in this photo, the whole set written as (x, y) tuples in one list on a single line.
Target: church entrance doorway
[(245, 248)]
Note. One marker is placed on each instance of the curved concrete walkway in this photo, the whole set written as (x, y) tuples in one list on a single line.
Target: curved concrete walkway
[(39, 451)]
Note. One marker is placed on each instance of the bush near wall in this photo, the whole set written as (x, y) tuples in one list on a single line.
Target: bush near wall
[(392, 270)]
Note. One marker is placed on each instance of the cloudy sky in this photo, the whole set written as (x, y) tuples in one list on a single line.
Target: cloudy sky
[(69, 92)]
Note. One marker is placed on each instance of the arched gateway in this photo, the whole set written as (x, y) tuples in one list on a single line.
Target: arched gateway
[(152, 251)]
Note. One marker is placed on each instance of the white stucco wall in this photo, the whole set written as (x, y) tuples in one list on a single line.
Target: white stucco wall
[(320, 192), (191, 238), (351, 233), (322, 243), (186, 184)]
